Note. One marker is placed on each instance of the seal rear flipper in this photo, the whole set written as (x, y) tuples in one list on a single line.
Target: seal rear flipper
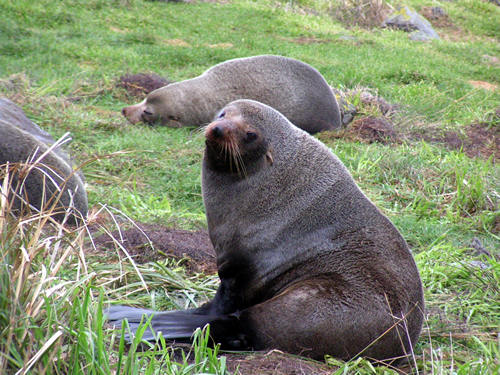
[(178, 325)]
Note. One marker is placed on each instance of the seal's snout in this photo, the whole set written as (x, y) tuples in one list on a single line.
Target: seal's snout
[(133, 113), (217, 132)]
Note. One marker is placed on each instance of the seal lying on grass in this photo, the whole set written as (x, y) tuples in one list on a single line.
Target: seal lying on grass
[(41, 177), (307, 263), (290, 86)]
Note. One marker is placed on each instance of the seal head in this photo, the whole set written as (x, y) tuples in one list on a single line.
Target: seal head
[(235, 147)]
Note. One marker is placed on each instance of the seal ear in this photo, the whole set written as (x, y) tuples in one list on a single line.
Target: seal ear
[(269, 157)]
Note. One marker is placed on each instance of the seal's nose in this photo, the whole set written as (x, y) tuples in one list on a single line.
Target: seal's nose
[(217, 132), (124, 111)]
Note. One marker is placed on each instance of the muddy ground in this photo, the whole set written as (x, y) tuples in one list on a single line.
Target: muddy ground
[(147, 243)]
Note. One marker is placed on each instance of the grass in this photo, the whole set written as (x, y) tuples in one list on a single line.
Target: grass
[(60, 61)]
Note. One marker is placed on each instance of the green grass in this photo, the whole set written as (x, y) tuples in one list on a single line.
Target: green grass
[(61, 60)]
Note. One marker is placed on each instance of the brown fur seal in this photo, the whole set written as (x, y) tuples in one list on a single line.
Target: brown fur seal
[(290, 86), (50, 184), (307, 263)]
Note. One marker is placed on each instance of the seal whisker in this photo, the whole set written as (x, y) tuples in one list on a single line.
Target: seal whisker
[(202, 128), (239, 161), (228, 155), (232, 159)]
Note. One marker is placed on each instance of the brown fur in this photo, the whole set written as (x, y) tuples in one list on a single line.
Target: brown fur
[(294, 88), (307, 263), (50, 185)]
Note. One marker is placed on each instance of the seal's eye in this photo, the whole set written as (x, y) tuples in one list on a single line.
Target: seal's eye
[(250, 137), (222, 114), (147, 113)]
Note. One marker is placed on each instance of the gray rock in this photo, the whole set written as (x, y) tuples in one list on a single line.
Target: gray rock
[(408, 20), (52, 183)]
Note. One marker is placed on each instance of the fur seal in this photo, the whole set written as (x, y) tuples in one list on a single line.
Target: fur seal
[(307, 263), (12, 113), (41, 177), (290, 86)]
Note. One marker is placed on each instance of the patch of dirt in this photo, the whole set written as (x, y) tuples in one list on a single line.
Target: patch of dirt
[(305, 40), (175, 42), (220, 45), (436, 16), (367, 14), (374, 129), (441, 20), (152, 242), (367, 98), (141, 84), (367, 129), (483, 85), (274, 363), (118, 30), (480, 140)]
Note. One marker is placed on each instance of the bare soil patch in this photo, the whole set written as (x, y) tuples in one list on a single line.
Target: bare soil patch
[(138, 85), (175, 42), (367, 14), (220, 45), (437, 17), (371, 129), (147, 243), (305, 40), (274, 363), (478, 140), (483, 85), (366, 129), (448, 30)]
